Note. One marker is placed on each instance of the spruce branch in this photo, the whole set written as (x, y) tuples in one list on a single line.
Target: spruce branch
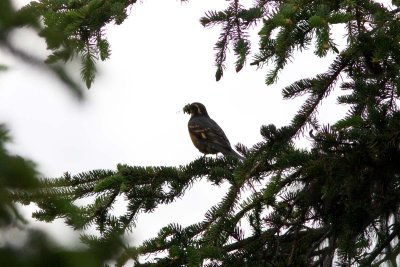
[(319, 87), (379, 248)]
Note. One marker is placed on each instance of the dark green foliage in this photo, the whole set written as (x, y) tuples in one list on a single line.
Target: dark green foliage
[(235, 20), (11, 20), (76, 28), (18, 175), (338, 200), (39, 251), (144, 188)]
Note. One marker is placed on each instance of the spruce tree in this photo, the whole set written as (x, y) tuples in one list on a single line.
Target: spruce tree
[(336, 203)]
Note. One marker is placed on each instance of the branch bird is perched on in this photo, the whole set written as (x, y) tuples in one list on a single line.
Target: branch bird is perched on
[(205, 133)]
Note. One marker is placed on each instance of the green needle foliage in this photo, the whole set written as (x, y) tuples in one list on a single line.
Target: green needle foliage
[(10, 21), (33, 247), (77, 28), (336, 203)]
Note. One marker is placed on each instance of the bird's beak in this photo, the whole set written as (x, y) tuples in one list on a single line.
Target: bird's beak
[(187, 109)]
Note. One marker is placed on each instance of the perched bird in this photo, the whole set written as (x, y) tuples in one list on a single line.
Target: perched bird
[(205, 133)]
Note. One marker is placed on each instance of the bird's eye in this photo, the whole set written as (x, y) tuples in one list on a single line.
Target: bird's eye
[(198, 109)]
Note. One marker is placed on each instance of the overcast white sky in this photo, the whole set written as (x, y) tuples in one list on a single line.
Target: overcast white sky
[(162, 59)]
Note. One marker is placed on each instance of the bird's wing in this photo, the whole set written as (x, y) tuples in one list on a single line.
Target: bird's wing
[(207, 129)]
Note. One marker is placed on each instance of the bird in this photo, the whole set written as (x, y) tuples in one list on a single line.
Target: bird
[(207, 136)]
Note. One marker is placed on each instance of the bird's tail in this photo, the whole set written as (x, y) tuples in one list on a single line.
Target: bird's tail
[(233, 153)]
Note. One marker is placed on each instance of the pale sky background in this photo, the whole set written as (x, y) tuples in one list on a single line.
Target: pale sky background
[(162, 58)]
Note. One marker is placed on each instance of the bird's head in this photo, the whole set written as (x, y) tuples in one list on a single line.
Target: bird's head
[(195, 109)]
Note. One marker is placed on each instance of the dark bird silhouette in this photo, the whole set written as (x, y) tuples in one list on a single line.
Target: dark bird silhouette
[(205, 133)]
